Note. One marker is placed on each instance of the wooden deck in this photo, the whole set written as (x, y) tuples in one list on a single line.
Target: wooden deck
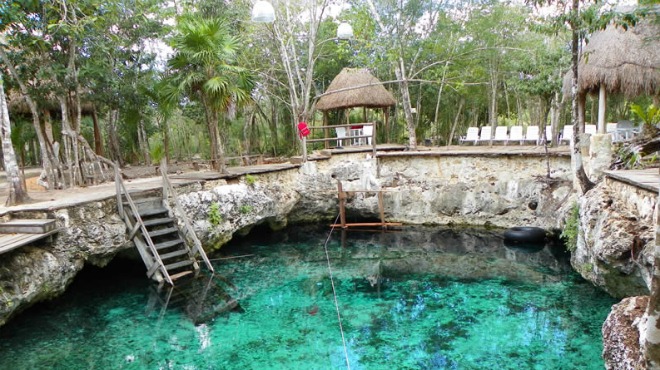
[(9, 242), (646, 179), (17, 233)]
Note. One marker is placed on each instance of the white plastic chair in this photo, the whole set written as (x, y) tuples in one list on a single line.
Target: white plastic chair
[(341, 134), (548, 134), (532, 134), (567, 134), (516, 134), (590, 129), (501, 134), (471, 135), (368, 130), (486, 133)]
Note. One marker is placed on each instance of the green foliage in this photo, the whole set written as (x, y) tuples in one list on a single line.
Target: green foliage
[(214, 215), (157, 149), (649, 116), (628, 159), (588, 267), (245, 209), (571, 228), (250, 179)]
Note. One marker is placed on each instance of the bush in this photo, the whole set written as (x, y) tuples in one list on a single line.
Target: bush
[(571, 228)]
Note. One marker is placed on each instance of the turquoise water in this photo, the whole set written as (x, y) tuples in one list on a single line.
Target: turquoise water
[(423, 298)]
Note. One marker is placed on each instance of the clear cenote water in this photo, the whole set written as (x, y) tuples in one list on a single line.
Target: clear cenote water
[(421, 298)]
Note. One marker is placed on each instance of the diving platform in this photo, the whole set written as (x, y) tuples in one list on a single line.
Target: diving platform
[(17, 233)]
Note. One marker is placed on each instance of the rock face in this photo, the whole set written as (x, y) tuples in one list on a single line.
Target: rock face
[(621, 333), (503, 191), (92, 233), (616, 239)]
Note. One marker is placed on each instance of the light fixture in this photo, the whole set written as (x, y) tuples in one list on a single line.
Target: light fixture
[(263, 12), (344, 31)]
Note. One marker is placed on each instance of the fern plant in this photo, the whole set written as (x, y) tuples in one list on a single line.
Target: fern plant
[(215, 217), (571, 228)]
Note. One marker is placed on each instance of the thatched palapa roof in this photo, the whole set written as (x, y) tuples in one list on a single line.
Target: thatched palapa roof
[(355, 87), (624, 61)]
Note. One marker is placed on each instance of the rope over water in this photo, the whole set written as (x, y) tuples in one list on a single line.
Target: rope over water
[(334, 294)]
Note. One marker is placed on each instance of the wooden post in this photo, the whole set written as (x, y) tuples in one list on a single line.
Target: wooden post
[(304, 145), (326, 144), (602, 109), (373, 139), (341, 195), (387, 125), (381, 208), (120, 206)]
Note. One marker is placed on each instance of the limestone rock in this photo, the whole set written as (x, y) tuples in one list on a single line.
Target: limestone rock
[(621, 345), (44, 275), (615, 244)]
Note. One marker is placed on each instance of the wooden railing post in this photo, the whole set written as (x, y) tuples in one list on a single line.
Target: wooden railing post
[(342, 204)]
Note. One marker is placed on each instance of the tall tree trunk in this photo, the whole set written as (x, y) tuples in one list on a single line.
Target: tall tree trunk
[(272, 126), (400, 73), (166, 140), (70, 141), (555, 112), (492, 102), (456, 120), (98, 139), (17, 193), (143, 141), (48, 126), (46, 155), (113, 137), (583, 180)]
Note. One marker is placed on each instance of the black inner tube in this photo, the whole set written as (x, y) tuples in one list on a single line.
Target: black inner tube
[(525, 234)]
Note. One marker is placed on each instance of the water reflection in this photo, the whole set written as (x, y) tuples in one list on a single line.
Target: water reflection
[(201, 298)]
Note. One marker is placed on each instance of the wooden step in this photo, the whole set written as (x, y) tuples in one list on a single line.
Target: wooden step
[(180, 252), (27, 226), (180, 274), (168, 244), (177, 265), (151, 211), (139, 201), (161, 232), (157, 221)]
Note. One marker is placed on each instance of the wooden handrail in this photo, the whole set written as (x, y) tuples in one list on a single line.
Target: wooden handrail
[(168, 191), (121, 186), (335, 126)]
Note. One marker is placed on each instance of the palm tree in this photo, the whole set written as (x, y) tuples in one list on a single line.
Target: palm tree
[(203, 69)]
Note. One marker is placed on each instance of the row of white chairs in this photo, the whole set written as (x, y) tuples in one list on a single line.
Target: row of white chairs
[(515, 134), (532, 134)]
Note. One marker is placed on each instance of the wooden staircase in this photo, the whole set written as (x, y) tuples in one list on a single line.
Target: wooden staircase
[(165, 248)]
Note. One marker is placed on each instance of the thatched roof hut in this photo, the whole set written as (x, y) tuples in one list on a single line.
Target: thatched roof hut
[(623, 61), (355, 87)]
